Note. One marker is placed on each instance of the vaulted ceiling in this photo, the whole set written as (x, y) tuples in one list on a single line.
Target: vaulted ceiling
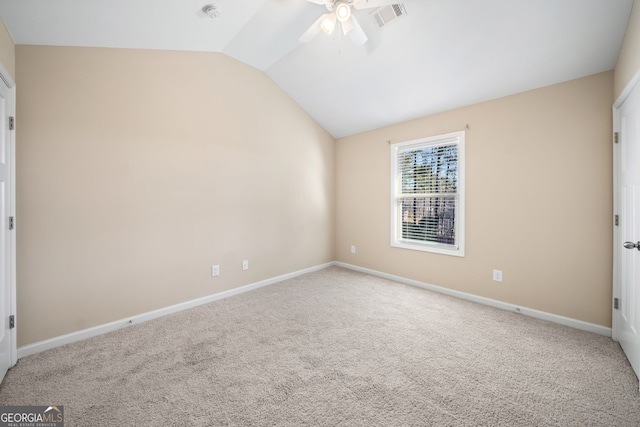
[(442, 54)]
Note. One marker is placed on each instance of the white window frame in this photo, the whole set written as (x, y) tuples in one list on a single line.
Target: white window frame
[(396, 220)]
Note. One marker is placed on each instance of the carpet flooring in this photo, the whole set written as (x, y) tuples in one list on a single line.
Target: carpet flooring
[(335, 348)]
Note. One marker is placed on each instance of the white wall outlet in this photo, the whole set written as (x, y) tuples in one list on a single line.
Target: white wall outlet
[(497, 275), (353, 249), (215, 270), (245, 264)]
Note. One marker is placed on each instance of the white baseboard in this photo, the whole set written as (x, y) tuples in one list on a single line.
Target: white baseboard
[(48, 344), (567, 321)]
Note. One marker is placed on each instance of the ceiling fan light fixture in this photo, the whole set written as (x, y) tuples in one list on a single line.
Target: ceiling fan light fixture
[(343, 12), (329, 23)]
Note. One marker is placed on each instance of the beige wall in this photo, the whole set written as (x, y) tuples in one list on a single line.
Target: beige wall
[(629, 59), (138, 170), (539, 200), (7, 50)]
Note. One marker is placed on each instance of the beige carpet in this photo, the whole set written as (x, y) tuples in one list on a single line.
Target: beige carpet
[(335, 348)]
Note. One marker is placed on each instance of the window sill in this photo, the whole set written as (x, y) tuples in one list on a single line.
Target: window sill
[(426, 247)]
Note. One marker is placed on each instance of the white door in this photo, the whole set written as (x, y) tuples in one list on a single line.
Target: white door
[(7, 301), (627, 315)]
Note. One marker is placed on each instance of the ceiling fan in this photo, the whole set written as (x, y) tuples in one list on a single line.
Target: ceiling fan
[(341, 11)]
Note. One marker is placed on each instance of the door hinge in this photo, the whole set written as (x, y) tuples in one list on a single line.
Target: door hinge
[(12, 123), (617, 220), (615, 137), (12, 321), (616, 303), (12, 224)]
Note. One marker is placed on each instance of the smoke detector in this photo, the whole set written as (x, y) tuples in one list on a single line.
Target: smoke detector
[(211, 10)]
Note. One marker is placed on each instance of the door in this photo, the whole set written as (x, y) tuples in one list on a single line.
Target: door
[(7, 271), (627, 314)]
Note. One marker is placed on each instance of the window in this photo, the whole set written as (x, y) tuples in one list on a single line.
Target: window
[(427, 194)]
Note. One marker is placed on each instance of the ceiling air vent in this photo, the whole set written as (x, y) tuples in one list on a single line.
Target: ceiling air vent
[(385, 15)]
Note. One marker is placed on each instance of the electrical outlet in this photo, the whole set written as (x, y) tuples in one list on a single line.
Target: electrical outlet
[(215, 270), (497, 275), (353, 249), (245, 264)]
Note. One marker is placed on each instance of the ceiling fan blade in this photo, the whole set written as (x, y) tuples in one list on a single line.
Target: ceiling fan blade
[(367, 4), (313, 30), (316, 1), (356, 34)]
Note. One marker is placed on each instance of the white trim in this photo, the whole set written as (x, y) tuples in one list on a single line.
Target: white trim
[(615, 324), (51, 343), (14, 238), (627, 90), (40, 346), (567, 321)]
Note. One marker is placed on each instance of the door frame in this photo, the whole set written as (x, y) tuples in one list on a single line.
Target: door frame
[(634, 84), (11, 107)]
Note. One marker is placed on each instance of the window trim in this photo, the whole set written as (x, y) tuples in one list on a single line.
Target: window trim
[(438, 248)]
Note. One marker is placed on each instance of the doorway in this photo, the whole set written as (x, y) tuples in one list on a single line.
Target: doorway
[(626, 266), (8, 353)]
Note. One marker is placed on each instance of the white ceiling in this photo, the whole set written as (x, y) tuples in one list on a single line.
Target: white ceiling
[(443, 54)]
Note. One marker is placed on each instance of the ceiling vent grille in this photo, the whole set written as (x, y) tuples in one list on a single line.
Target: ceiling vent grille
[(384, 15)]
